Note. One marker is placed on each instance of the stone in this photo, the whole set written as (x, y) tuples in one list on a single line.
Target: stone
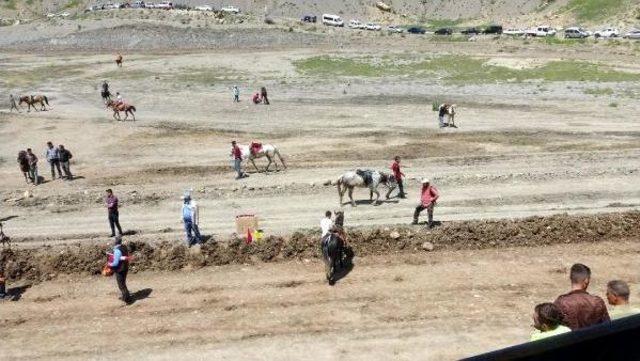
[(394, 235), (427, 246)]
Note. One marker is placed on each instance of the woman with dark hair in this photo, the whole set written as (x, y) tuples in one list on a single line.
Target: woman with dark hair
[(547, 319)]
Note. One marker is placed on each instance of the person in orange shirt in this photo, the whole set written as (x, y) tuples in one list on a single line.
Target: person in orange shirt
[(428, 197)]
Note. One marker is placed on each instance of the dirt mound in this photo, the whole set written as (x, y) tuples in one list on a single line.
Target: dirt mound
[(47, 262)]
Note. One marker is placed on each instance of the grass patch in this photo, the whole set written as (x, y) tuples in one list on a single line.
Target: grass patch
[(599, 91), (458, 68), (443, 23), (128, 74), (590, 10), (206, 76), (9, 4), (555, 40), (72, 4), (36, 75)]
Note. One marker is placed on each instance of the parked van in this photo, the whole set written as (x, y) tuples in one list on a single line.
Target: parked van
[(332, 20)]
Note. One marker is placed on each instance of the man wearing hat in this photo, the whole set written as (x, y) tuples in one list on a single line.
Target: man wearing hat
[(190, 219), (120, 266), (428, 197)]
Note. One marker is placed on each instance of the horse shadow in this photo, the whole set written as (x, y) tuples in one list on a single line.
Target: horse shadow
[(433, 225), (347, 266), (15, 293), (74, 178), (140, 295), (129, 232), (360, 202)]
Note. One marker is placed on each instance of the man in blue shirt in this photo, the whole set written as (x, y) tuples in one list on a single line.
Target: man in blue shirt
[(120, 266), (190, 219)]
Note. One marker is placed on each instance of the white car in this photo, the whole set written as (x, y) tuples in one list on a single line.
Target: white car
[(576, 33), (230, 9), (149, 5), (395, 29), (332, 20), (355, 24), (544, 30), (204, 8), (607, 33), (633, 34), (164, 5), (513, 32), (64, 14), (372, 26)]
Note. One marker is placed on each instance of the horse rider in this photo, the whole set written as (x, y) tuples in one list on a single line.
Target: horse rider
[(119, 99), (13, 104), (105, 90), (327, 227), (428, 197)]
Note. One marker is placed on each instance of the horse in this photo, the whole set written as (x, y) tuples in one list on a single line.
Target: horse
[(333, 248), (106, 96), (119, 60), (450, 111), (117, 108), (266, 150), (365, 179), (32, 100)]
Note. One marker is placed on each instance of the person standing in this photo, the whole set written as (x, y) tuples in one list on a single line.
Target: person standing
[(65, 157), (112, 209), (580, 309), (236, 94), (397, 173), (428, 197), (33, 167), (190, 220), (53, 157), (263, 94), (23, 163), (120, 266), (3, 290), (13, 104), (236, 153), (618, 297)]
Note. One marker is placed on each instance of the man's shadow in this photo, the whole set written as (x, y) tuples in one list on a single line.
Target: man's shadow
[(140, 295), (346, 267), (15, 293)]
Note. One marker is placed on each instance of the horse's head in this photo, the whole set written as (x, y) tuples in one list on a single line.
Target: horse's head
[(388, 179), (339, 220)]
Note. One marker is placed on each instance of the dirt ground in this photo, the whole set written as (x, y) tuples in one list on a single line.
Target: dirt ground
[(523, 148)]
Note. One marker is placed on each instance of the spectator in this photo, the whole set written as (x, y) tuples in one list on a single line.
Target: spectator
[(112, 210), (428, 197), (33, 167), (190, 219), (65, 157), (12, 103), (547, 319), (53, 157), (236, 153), (236, 94), (618, 297), (263, 94), (120, 266), (397, 173), (579, 308), (23, 163), (3, 290)]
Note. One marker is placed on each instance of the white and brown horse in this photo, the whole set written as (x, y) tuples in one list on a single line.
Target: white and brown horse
[(33, 100), (269, 151), (365, 179), (117, 108)]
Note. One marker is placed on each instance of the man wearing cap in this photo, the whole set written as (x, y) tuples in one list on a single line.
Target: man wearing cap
[(190, 219), (120, 266), (428, 197), (236, 153)]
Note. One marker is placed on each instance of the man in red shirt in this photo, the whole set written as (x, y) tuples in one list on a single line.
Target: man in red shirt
[(428, 197), (395, 167), (236, 153), (580, 309)]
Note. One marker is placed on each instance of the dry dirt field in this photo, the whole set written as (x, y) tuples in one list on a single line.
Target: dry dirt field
[(543, 129)]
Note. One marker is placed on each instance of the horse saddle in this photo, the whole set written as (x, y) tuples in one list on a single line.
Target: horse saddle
[(367, 175), (255, 148)]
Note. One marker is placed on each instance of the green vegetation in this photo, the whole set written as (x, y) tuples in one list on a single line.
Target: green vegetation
[(591, 10), (599, 91), (458, 69), (9, 4), (443, 23), (555, 40), (206, 76), (72, 4), (128, 74), (20, 78)]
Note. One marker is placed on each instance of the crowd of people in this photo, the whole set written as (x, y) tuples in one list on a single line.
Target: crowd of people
[(59, 159), (579, 309)]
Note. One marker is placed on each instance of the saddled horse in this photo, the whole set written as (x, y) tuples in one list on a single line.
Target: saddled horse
[(117, 108), (333, 248), (265, 150), (365, 179), (450, 111), (33, 100)]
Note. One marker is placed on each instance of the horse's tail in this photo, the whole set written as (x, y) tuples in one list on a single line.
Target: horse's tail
[(132, 108), (339, 184), (277, 152), (46, 100)]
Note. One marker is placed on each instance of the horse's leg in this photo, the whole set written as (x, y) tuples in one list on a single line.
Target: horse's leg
[(266, 170), (133, 115), (353, 203), (370, 193), (254, 164), (377, 196)]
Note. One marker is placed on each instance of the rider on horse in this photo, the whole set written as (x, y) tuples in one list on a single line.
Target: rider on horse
[(106, 94)]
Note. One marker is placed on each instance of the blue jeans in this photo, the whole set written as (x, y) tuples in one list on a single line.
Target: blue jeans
[(189, 228), (237, 165)]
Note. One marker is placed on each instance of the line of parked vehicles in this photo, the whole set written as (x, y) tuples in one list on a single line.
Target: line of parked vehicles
[(165, 5), (538, 31)]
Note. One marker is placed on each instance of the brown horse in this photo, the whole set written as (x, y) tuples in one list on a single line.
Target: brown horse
[(119, 60), (117, 108), (32, 100)]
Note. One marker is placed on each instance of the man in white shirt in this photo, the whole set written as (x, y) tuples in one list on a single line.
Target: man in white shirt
[(326, 224)]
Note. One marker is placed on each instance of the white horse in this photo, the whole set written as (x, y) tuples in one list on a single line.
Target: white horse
[(365, 179), (450, 111), (268, 150)]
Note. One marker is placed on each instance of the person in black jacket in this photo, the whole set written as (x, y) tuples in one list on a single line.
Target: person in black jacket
[(120, 266), (65, 155), (263, 94)]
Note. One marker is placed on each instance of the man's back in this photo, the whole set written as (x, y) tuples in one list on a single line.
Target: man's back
[(580, 309)]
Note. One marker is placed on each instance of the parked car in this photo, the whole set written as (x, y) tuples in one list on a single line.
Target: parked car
[(395, 29), (137, 4), (633, 34), (309, 19), (149, 5), (230, 9), (415, 30), (373, 26), (514, 32), (544, 30), (332, 20), (204, 8), (575, 33), (470, 31), (93, 8), (607, 33), (166, 5), (443, 31), (355, 24), (493, 29)]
